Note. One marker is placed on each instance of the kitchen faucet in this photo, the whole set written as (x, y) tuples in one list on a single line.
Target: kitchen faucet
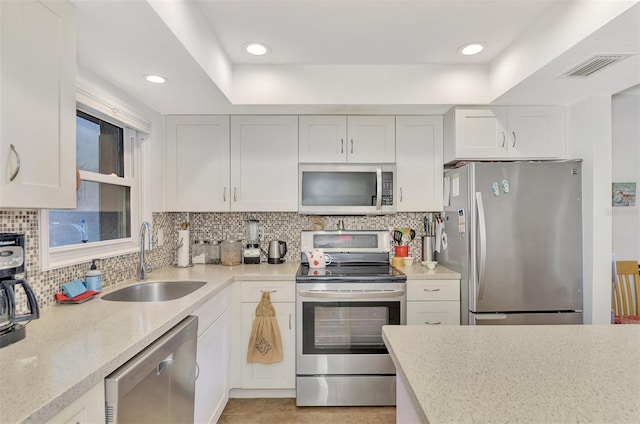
[(142, 268)]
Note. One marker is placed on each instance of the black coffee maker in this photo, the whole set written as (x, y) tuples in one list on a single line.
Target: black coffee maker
[(12, 263)]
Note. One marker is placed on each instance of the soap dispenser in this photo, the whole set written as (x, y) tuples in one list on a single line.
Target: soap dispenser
[(94, 278)]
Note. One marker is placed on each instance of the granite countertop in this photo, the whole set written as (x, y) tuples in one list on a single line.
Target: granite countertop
[(525, 374), (73, 347), (417, 271)]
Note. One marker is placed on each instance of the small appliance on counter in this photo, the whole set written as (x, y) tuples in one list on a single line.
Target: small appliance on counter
[(12, 263), (252, 233), (277, 250)]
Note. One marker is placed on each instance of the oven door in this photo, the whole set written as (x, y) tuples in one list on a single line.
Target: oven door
[(339, 327)]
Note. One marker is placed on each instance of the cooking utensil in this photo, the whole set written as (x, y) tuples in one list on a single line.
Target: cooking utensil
[(397, 236)]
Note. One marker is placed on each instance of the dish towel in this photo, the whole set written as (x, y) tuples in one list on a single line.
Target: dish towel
[(265, 343)]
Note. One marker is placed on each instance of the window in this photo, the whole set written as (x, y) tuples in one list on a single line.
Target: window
[(107, 211)]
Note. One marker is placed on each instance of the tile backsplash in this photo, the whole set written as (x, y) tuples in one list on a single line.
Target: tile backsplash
[(284, 226)]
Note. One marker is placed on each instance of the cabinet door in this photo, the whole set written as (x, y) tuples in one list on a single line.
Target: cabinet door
[(536, 132), (279, 375), (419, 163), (445, 312), (38, 104), (197, 162), (481, 132), (371, 139), (88, 408), (264, 163), (212, 384), (322, 139)]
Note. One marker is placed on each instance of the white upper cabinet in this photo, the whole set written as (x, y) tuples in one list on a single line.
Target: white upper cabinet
[(536, 132), (504, 132), (38, 104), (264, 163), (322, 139), (353, 139), (419, 163), (197, 166)]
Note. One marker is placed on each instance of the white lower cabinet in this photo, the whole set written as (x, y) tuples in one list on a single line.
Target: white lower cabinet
[(256, 379), (433, 302), (88, 408), (212, 357), (279, 375)]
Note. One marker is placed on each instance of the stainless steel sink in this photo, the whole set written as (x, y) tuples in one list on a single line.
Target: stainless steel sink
[(156, 291)]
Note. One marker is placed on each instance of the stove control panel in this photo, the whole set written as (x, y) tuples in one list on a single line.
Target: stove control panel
[(374, 241)]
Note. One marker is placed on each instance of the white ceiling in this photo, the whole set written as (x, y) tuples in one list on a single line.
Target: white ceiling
[(354, 54)]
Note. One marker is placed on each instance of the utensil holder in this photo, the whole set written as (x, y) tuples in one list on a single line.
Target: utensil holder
[(402, 251), (428, 244)]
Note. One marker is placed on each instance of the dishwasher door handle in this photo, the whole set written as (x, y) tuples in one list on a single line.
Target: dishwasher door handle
[(164, 364)]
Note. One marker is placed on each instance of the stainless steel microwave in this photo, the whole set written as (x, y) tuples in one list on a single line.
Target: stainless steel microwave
[(347, 189)]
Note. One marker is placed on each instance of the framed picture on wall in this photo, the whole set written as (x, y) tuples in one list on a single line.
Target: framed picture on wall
[(624, 194)]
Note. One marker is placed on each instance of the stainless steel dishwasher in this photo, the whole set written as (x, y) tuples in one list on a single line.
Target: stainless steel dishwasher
[(158, 384)]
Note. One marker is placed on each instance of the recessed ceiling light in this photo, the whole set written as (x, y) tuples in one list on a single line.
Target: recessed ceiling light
[(257, 49), (471, 49), (157, 79)]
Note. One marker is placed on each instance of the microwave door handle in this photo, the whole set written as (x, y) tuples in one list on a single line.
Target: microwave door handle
[(378, 189)]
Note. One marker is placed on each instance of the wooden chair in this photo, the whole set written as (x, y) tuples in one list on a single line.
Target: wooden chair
[(626, 299)]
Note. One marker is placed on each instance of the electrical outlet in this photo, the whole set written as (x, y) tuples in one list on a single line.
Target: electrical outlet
[(160, 237)]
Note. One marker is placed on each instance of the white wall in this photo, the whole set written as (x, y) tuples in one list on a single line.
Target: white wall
[(626, 168), (589, 138)]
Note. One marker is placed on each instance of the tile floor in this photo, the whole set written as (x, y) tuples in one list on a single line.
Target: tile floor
[(285, 411)]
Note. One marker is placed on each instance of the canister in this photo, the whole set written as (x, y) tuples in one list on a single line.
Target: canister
[(199, 251), (231, 252), (213, 252)]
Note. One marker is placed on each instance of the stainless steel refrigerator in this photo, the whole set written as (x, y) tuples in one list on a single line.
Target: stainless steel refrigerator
[(514, 232)]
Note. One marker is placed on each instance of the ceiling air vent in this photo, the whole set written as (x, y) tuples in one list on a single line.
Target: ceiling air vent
[(593, 65)]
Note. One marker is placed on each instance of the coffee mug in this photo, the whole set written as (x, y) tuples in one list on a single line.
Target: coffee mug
[(318, 259)]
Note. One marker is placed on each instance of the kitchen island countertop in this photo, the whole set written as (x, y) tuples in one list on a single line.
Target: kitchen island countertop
[(71, 348), (526, 374)]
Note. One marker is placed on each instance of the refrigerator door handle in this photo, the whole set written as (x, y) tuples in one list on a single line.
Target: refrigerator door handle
[(482, 237)]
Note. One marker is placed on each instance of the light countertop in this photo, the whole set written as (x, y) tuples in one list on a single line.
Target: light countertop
[(73, 347), (525, 374)]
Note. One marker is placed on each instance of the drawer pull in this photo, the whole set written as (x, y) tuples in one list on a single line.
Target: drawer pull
[(268, 291), (433, 323), (431, 290), (289, 321)]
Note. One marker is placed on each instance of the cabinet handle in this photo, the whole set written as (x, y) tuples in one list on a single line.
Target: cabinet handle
[(433, 323), (352, 146), (224, 194), (401, 194), (514, 138), (15, 173), (268, 291), (197, 370), (504, 139), (431, 290), (235, 193), (342, 146), (289, 321)]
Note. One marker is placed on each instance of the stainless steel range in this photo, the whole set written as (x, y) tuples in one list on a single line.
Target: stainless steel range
[(341, 358)]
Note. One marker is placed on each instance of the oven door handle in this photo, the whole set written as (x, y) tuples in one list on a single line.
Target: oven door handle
[(351, 295)]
